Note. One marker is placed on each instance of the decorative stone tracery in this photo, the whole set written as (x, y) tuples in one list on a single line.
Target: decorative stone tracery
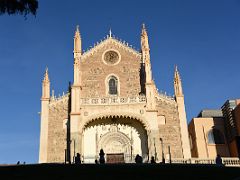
[(115, 142), (121, 115)]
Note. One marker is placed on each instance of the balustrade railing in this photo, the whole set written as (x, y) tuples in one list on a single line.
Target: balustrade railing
[(113, 100), (128, 158), (226, 161), (131, 159)]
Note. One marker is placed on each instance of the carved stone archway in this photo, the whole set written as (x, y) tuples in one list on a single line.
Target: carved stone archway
[(115, 142), (115, 134), (135, 117)]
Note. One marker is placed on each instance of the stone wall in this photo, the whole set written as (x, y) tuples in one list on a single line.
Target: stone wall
[(58, 115), (169, 127)]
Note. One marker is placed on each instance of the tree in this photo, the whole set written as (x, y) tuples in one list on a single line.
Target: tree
[(22, 7)]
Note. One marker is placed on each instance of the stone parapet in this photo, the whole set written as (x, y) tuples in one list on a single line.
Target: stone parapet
[(226, 161), (112, 100)]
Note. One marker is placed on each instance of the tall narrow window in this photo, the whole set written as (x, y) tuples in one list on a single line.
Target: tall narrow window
[(113, 84)]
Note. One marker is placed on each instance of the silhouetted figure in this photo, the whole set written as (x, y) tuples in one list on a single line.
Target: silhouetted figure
[(219, 160), (96, 161), (163, 161), (18, 162), (138, 159), (101, 155), (24, 162), (153, 160), (78, 159)]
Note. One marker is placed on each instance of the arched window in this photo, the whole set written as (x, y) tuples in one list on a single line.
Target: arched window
[(113, 85), (215, 137)]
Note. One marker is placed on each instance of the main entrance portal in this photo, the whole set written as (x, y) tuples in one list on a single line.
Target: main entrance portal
[(120, 138), (115, 141)]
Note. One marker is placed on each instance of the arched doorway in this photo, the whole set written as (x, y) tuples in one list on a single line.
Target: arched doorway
[(115, 141), (115, 135)]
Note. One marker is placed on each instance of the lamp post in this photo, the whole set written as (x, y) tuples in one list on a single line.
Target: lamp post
[(68, 143), (155, 155), (163, 159), (74, 150), (131, 145), (169, 152)]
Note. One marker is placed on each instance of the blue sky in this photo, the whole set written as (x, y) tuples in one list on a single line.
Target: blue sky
[(201, 37)]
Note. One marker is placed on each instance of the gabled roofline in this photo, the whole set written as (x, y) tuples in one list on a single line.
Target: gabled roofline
[(123, 44)]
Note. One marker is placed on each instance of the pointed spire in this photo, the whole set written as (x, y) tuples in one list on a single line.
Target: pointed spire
[(177, 83), (144, 31), (77, 42), (144, 39), (176, 74), (77, 32), (146, 54), (46, 85), (53, 95), (46, 77)]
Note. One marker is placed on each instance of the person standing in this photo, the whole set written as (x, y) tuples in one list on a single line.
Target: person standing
[(101, 155), (153, 160), (138, 159), (219, 160), (78, 159)]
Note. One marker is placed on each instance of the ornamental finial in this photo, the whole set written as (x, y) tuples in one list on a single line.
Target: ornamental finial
[(110, 33), (46, 77)]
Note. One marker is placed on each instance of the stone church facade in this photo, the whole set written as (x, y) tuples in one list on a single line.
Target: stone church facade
[(114, 105)]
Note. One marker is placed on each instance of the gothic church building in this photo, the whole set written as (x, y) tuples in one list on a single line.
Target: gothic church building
[(114, 105)]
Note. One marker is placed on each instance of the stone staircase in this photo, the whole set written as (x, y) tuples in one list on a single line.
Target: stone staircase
[(119, 171)]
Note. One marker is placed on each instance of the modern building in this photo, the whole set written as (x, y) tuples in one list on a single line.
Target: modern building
[(207, 135), (232, 122), (114, 105), (216, 132), (236, 113)]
